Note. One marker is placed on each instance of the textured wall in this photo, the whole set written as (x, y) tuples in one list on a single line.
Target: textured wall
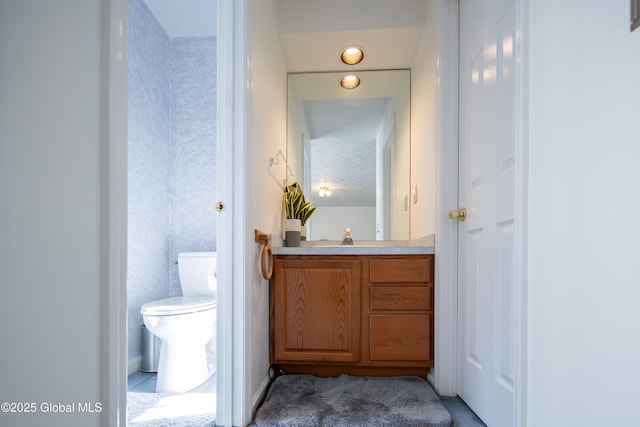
[(193, 148), (148, 171), (172, 159)]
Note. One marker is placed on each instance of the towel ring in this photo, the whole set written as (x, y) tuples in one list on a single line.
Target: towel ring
[(267, 273), (266, 259)]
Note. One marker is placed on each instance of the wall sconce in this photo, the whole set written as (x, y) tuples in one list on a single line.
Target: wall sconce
[(324, 191)]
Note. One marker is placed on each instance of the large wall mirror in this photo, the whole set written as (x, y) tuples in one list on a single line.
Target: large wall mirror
[(350, 150)]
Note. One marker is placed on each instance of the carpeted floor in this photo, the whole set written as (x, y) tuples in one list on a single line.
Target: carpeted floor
[(163, 409), (306, 401)]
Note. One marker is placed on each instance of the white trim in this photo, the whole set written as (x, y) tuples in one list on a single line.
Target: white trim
[(225, 220), (113, 237), (134, 364), (233, 399), (242, 207), (259, 394), (444, 374), (521, 209)]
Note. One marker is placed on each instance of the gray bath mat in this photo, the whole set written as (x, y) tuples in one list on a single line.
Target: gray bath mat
[(305, 400)]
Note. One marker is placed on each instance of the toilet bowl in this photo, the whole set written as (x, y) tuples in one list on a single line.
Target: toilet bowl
[(186, 326)]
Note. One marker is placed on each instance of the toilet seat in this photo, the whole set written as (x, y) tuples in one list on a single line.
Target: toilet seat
[(177, 305)]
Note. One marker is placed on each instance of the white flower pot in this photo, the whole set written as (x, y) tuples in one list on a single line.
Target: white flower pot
[(292, 232)]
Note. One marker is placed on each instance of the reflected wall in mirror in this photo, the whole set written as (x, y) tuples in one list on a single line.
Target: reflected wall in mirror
[(350, 150)]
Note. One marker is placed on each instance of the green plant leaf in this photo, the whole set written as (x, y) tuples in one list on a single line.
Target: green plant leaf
[(295, 205)]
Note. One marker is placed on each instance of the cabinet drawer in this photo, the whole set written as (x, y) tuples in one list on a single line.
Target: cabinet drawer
[(401, 270), (401, 298), (396, 337)]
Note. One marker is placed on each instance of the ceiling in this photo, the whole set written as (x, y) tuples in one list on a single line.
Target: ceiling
[(185, 18), (312, 34), (343, 149)]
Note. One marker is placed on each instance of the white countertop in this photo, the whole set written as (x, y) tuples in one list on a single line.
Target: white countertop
[(422, 246)]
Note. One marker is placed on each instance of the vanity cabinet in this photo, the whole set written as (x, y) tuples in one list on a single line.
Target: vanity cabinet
[(355, 314), (315, 306)]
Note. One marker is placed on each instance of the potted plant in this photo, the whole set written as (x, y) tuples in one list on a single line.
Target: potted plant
[(297, 212), (305, 214)]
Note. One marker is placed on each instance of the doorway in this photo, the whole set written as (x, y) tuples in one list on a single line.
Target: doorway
[(171, 177), (491, 323), (447, 373)]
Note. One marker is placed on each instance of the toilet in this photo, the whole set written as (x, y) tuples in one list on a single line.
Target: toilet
[(186, 325)]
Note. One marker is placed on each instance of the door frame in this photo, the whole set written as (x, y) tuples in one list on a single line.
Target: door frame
[(521, 209), (445, 371), (231, 383), (113, 234), (230, 140), (444, 376)]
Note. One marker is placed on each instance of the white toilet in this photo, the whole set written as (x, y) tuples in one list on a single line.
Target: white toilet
[(186, 325)]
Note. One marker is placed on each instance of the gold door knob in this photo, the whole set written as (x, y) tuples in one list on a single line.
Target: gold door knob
[(461, 214)]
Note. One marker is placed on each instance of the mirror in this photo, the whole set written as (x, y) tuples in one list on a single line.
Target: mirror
[(355, 146)]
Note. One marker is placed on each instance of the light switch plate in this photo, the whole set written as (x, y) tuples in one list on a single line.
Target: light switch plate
[(635, 14)]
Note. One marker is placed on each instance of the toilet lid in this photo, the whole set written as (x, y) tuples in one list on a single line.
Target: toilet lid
[(178, 305)]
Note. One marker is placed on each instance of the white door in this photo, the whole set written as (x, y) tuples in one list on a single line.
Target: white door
[(486, 271)]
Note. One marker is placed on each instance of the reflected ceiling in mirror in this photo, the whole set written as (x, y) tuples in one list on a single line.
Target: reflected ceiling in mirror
[(356, 143)]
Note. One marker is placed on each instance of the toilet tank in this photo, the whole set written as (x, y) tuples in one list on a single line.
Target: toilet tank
[(197, 272)]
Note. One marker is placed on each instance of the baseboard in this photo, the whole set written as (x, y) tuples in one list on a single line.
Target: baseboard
[(431, 379), (259, 394), (134, 364)]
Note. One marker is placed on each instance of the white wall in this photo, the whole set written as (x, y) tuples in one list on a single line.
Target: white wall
[(401, 216), (297, 127), (583, 286), (423, 128), (330, 221), (267, 106), (50, 220)]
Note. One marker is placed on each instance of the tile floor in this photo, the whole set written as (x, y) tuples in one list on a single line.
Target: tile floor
[(146, 408), (145, 382), (462, 415)]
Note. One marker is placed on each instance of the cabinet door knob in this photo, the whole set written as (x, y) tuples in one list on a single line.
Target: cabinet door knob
[(219, 206), (461, 214)]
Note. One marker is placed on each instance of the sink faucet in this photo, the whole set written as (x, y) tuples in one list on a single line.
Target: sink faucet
[(347, 240)]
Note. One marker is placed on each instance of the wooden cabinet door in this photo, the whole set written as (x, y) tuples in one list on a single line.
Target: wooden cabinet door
[(316, 314)]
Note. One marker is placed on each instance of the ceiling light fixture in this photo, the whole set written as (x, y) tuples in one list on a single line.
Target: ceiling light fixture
[(350, 82), (352, 55), (324, 191)]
